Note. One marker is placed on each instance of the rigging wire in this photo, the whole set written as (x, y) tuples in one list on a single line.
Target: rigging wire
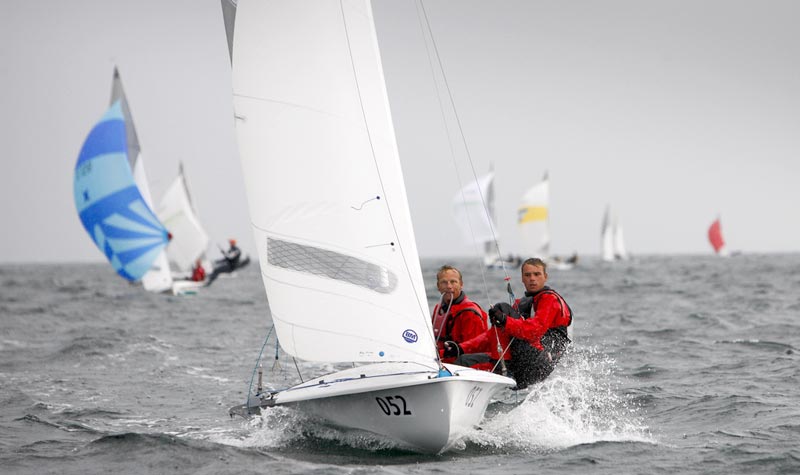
[(255, 368), (421, 7), (436, 56)]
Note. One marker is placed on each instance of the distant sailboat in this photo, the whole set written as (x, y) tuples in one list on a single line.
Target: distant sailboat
[(715, 238), (189, 239), (113, 200), (533, 220), (612, 240), (477, 223)]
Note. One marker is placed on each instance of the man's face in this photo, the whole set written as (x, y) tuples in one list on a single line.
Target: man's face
[(449, 284), (533, 277)]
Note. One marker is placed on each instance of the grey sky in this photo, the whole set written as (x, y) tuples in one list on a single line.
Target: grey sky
[(671, 111)]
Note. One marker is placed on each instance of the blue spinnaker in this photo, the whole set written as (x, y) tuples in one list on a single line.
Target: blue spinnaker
[(109, 203)]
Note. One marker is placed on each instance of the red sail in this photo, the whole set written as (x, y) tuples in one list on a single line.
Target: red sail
[(715, 236)]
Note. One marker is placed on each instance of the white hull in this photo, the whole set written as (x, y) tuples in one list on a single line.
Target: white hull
[(560, 265), (186, 287), (405, 402)]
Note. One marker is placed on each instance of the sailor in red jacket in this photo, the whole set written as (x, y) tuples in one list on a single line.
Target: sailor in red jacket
[(198, 272), (456, 318), (535, 335)]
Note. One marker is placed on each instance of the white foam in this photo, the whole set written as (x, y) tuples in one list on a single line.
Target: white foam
[(578, 404), (274, 428)]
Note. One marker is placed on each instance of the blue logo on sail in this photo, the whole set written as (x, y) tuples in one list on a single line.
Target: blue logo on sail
[(410, 336)]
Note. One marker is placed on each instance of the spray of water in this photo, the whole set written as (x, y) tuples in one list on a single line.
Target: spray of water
[(579, 403), (275, 428)]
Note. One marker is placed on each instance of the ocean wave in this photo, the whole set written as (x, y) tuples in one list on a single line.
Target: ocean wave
[(760, 344)]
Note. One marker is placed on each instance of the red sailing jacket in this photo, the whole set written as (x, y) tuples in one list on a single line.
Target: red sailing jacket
[(549, 311), (198, 274), (487, 342), (465, 320)]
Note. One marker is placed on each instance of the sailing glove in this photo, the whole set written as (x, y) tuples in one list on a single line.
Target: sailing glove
[(451, 349), (497, 317)]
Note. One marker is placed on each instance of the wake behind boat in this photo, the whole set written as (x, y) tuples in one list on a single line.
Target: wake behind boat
[(312, 112)]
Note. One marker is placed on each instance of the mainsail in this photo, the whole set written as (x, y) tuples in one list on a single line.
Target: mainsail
[(189, 239), (533, 220), (475, 219), (612, 240), (111, 206), (324, 184)]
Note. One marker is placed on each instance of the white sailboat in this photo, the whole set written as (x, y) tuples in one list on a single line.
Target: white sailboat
[(477, 223), (333, 228), (612, 240), (189, 241), (533, 219)]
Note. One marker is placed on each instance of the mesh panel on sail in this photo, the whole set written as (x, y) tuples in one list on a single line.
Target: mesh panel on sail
[(330, 264)]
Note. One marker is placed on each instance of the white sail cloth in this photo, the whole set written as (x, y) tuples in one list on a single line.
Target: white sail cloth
[(324, 184)]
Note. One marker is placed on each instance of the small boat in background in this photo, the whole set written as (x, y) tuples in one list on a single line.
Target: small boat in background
[(533, 219), (612, 241), (190, 241), (113, 199), (114, 203), (716, 240)]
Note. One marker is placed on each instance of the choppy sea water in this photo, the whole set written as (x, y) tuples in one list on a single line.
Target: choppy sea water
[(680, 364)]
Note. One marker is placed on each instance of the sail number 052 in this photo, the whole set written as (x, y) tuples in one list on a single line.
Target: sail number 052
[(393, 405)]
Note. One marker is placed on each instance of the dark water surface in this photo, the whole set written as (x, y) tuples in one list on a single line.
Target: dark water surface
[(680, 364)]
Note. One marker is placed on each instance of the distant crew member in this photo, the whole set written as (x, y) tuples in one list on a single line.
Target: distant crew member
[(228, 263), (198, 272)]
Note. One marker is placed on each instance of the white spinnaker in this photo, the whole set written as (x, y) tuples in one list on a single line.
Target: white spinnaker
[(533, 220), (189, 239), (324, 184)]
